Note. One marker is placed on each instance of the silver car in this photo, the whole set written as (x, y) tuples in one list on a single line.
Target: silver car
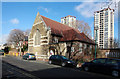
[(29, 56)]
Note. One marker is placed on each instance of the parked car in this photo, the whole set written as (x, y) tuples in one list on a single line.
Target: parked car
[(61, 60), (29, 56), (1, 53), (104, 65)]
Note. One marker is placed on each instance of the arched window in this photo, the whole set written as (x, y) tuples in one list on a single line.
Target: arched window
[(37, 37)]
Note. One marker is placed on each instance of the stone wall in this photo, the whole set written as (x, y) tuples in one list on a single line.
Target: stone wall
[(38, 49)]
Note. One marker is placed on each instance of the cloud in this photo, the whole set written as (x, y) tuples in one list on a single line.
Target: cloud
[(14, 21), (43, 8), (87, 9), (3, 39)]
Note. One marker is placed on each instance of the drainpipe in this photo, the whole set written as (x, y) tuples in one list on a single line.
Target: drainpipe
[(96, 28), (96, 44)]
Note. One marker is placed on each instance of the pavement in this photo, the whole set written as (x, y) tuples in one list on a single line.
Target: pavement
[(10, 72), (41, 69)]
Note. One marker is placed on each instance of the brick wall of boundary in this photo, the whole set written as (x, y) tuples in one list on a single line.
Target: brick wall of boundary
[(111, 53), (14, 53), (42, 59)]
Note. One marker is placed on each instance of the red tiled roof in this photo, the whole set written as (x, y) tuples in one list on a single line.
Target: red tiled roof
[(86, 38), (67, 33), (70, 35), (55, 26)]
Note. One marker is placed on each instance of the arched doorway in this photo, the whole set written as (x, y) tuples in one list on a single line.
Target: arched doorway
[(52, 50)]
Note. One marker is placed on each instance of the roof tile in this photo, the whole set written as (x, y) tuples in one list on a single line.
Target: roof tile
[(67, 33)]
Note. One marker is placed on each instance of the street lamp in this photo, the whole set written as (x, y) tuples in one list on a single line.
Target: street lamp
[(20, 46), (96, 28)]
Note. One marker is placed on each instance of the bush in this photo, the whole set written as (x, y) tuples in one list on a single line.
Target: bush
[(7, 49)]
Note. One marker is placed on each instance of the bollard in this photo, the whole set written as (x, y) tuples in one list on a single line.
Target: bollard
[(13, 54), (16, 54), (4, 54)]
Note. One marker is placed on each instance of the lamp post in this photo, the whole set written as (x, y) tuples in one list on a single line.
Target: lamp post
[(96, 28), (20, 46)]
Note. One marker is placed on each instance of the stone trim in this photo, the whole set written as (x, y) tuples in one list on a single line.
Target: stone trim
[(43, 22), (37, 23), (44, 40), (31, 45), (30, 39), (36, 46), (44, 44), (43, 36)]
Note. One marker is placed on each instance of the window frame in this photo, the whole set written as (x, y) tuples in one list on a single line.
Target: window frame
[(80, 47), (37, 41)]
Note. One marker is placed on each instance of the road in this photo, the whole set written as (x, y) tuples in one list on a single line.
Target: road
[(19, 69)]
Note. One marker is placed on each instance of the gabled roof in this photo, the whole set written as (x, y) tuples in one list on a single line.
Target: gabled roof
[(56, 27), (67, 33), (73, 35)]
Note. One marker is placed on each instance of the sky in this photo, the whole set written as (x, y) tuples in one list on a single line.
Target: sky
[(21, 15)]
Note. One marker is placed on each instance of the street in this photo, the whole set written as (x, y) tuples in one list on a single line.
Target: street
[(13, 67)]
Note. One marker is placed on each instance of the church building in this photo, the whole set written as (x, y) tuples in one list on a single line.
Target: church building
[(49, 37)]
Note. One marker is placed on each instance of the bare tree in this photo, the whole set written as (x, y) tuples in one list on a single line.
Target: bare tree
[(113, 43), (27, 32), (15, 36), (116, 43), (82, 27)]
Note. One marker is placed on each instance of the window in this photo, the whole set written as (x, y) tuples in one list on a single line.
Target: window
[(37, 37), (85, 46), (80, 45), (26, 54), (72, 49), (106, 29), (55, 40), (90, 49), (64, 57), (111, 61), (80, 48), (99, 61), (58, 57), (53, 57)]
